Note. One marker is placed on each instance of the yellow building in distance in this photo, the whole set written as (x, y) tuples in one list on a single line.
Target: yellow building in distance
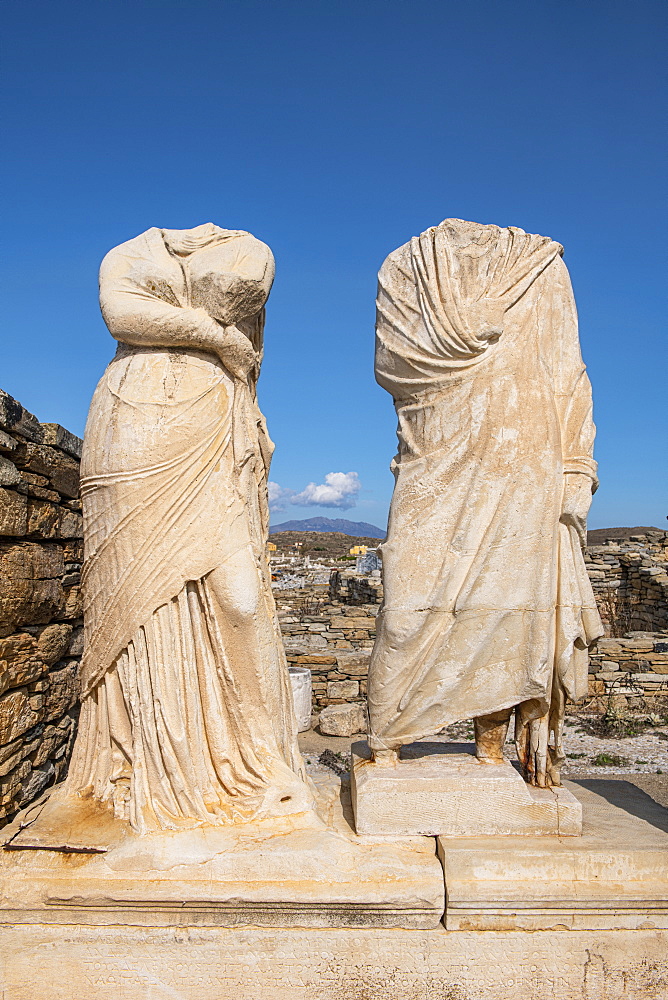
[(271, 547), (358, 550)]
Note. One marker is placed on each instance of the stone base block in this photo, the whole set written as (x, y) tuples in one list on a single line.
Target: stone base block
[(441, 789), (125, 962), (304, 871), (614, 876)]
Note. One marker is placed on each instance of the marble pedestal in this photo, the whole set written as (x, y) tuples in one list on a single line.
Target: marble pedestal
[(546, 917), (126, 962), (441, 789), (303, 871), (614, 876)]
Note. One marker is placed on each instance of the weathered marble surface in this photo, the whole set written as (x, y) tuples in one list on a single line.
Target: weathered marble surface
[(342, 720), (487, 604), (187, 717), (443, 789), (614, 876), (302, 695), (309, 870), (202, 963), (565, 918)]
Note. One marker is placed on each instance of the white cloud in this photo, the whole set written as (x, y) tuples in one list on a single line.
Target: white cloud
[(279, 496), (340, 489)]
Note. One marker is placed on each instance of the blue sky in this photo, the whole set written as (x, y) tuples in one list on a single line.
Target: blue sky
[(335, 132)]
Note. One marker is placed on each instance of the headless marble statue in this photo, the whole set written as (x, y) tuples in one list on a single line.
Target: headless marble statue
[(487, 605), (187, 716)]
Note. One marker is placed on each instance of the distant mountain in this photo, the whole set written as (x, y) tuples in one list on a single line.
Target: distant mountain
[(356, 528)]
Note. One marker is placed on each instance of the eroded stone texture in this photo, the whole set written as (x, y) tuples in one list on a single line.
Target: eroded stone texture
[(307, 869), (193, 963), (40, 606), (441, 789), (487, 604), (177, 593), (342, 720)]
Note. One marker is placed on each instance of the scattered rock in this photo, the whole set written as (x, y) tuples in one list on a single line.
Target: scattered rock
[(343, 720)]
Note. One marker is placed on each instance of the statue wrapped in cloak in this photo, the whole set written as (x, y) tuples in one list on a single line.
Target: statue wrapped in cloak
[(487, 606)]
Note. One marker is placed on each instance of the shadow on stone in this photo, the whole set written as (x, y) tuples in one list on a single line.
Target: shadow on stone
[(628, 797)]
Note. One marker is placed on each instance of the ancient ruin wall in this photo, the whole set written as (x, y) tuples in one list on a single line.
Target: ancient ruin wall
[(41, 638), (41, 628), (630, 580)]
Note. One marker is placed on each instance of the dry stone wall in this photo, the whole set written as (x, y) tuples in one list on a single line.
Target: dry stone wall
[(41, 635), (632, 669), (630, 580), (333, 640)]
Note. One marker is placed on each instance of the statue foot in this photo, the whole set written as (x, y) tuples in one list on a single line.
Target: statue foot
[(490, 735), (386, 758), (489, 758)]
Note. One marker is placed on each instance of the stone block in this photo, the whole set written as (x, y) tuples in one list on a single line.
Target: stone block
[(11, 787), (35, 782), (56, 435), (8, 762), (650, 677), (13, 513), (538, 918), (73, 550), (76, 643), (440, 789), (343, 689), (609, 646), (309, 659), (30, 561), (52, 741), (343, 720), (8, 444), (14, 417), (181, 960), (307, 872), (613, 876), (353, 662), (9, 474), (73, 604), (19, 663), (17, 714), (30, 602), (61, 469), (70, 525), (62, 691), (357, 624), (43, 518), (54, 642)]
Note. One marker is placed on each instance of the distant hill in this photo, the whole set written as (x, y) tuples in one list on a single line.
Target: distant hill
[(322, 524), (599, 535), (319, 544)]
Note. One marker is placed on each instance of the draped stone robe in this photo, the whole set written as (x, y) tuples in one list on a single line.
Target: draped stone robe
[(487, 602), (187, 714)]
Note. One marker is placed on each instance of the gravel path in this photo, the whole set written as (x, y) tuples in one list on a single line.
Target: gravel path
[(643, 754), (586, 754)]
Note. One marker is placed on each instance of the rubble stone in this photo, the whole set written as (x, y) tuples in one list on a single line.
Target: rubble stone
[(41, 636), (343, 720)]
